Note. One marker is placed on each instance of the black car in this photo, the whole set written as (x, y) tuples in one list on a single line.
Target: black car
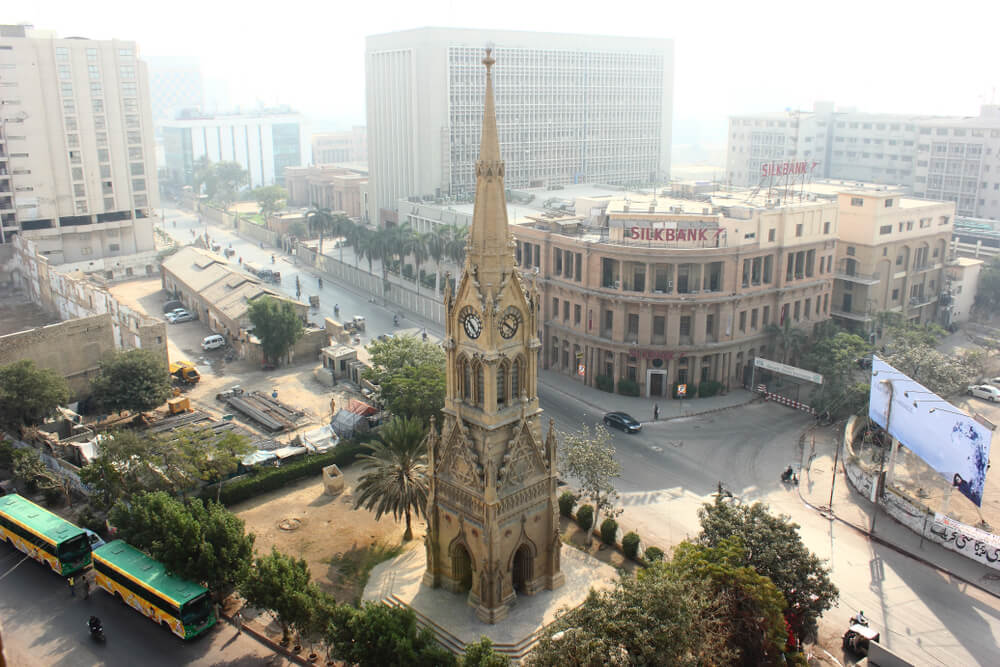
[(622, 420)]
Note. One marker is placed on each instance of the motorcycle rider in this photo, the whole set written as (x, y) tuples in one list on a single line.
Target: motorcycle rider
[(94, 625)]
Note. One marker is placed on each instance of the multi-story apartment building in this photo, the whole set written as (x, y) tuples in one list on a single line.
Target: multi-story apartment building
[(674, 291), (76, 139), (571, 109), (947, 159), (328, 186), (265, 142), (958, 160), (347, 146), (891, 257)]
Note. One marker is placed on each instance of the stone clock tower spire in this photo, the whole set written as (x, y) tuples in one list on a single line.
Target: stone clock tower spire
[(492, 516)]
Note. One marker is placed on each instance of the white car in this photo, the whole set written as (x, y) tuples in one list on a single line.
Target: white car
[(985, 391)]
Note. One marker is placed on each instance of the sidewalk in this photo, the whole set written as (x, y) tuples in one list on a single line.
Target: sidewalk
[(857, 512), (638, 406)]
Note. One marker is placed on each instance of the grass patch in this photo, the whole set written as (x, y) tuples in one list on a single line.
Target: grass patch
[(356, 565)]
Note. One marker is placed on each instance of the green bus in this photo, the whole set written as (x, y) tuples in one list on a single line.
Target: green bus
[(44, 536), (143, 584)]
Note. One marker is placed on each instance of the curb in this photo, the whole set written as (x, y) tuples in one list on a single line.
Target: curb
[(601, 409), (832, 516), (266, 641)]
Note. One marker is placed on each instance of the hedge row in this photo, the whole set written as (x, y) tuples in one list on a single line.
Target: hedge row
[(266, 478)]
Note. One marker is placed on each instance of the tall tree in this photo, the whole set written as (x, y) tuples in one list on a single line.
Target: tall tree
[(197, 541), (136, 380), (278, 583), (276, 324), (752, 605), (410, 375), (835, 358), (214, 457), (988, 292), (376, 634), (437, 241), (270, 199), (320, 221), (29, 394), (395, 481), (772, 546), (588, 457), (791, 340), (652, 619), (204, 175), (231, 177)]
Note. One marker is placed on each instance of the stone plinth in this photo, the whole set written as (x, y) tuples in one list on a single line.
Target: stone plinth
[(398, 582)]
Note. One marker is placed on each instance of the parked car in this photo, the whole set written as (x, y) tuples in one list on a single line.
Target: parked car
[(986, 392), (623, 421), (182, 317), (213, 342), (172, 305), (172, 315), (994, 381)]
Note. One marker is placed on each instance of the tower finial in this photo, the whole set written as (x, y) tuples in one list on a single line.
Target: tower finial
[(489, 60)]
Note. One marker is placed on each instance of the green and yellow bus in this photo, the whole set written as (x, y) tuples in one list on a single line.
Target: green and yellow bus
[(46, 537), (143, 584)]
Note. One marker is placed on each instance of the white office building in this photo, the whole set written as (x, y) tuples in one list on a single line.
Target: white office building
[(264, 142), (947, 159), (76, 139), (570, 109)]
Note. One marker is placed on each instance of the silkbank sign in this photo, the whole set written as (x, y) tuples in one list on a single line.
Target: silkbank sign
[(698, 233)]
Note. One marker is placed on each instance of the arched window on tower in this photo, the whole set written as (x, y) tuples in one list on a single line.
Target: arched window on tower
[(516, 373), (465, 377), (502, 384), (480, 393)]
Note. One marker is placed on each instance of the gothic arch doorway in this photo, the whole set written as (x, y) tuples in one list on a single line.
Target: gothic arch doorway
[(521, 570), (461, 566)]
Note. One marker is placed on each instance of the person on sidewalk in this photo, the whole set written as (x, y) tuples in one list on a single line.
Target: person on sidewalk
[(656, 412), (238, 622)]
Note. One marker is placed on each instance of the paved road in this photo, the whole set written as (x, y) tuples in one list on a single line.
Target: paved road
[(43, 625), (672, 467)]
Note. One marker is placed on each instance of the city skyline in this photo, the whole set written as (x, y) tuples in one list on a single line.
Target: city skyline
[(752, 59)]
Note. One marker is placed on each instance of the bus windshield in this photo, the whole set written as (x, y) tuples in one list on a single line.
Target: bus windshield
[(196, 610), (72, 549)]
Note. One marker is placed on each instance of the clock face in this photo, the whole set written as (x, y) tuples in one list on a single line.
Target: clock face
[(510, 322), (470, 322)]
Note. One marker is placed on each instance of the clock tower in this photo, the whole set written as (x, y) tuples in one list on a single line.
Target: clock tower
[(492, 515)]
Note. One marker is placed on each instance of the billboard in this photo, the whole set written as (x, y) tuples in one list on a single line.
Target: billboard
[(950, 441), (785, 369)]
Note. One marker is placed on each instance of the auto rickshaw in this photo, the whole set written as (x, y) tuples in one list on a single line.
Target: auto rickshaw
[(858, 637)]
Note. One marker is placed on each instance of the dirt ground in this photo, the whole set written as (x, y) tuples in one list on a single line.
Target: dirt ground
[(340, 544), (576, 537)]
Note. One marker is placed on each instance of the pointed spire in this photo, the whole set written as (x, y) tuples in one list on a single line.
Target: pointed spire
[(488, 249)]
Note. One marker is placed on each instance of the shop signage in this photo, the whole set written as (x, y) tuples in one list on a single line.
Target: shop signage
[(650, 234), (787, 168), (652, 354)]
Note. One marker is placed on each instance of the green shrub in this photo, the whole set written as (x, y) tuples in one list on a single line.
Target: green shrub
[(653, 554), (709, 388), (627, 387), (566, 502), (87, 519), (585, 517), (265, 479), (609, 530), (6, 454), (52, 496), (605, 383), (630, 545)]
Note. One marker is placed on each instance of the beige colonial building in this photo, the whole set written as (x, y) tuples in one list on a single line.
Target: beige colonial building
[(492, 521), (891, 257), (327, 186), (669, 291)]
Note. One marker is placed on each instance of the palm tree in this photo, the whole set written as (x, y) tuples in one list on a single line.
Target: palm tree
[(436, 242), (457, 240), (419, 251), (397, 479), (320, 221), (790, 339), (343, 227)]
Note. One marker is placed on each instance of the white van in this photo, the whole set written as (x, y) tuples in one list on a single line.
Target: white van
[(213, 342)]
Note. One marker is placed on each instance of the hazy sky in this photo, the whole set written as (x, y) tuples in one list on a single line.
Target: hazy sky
[(923, 57)]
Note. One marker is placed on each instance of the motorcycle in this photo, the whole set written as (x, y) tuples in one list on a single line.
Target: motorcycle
[(789, 476), (96, 629)]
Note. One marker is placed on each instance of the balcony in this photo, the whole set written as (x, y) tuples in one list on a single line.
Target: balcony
[(859, 278), (919, 268), (919, 301)]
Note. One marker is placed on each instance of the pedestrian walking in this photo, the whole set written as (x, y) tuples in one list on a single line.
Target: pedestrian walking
[(238, 622), (72, 586), (656, 411)]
